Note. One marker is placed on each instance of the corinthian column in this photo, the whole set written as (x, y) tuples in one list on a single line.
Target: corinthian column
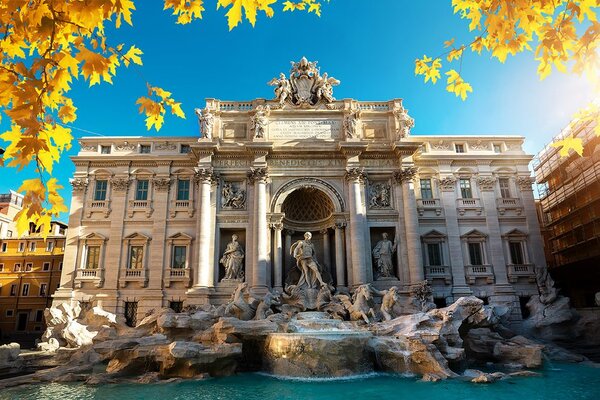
[(258, 177), (356, 178), (278, 260), (340, 264), (411, 223), (205, 273)]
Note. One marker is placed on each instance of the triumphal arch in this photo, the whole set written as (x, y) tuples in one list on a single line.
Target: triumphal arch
[(175, 221)]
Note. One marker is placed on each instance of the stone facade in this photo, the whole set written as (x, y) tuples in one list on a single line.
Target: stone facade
[(162, 211)]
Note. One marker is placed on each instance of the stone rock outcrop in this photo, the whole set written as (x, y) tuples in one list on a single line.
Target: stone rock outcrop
[(233, 330), (9, 357), (554, 321), (519, 350)]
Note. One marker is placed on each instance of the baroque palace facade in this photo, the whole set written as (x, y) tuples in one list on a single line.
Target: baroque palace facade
[(173, 221)]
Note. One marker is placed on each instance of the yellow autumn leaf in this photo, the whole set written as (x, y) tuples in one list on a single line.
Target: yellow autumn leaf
[(568, 144), (132, 56)]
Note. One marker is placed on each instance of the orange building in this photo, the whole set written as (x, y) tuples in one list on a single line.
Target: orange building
[(30, 271)]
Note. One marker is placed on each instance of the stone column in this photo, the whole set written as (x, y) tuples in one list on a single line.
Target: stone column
[(356, 178), (205, 274), (447, 186), (278, 259), (258, 177), (411, 223), (340, 258), (536, 243), (326, 250), (289, 261), (403, 273)]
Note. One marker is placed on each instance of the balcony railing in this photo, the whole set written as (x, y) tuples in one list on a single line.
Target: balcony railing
[(140, 205), (95, 276), (505, 204), (468, 204), (429, 205), (473, 272), (181, 205), (177, 275), (102, 206), (133, 275), (438, 272), (516, 271)]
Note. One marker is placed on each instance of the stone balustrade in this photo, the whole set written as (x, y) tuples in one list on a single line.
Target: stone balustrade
[(433, 272), (473, 272), (424, 205), (516, 271), (505, 204), (464, 205)]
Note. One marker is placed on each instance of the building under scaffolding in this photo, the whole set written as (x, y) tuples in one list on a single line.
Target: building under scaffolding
[(569, 190)]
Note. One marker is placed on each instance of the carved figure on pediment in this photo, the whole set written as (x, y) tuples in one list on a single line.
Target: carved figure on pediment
[(233, 197), (383, 253), (404, 123), (324, 87), (125, 146), (350, 124), (233, 260), (89, 147), (207, 121), (283, 90), (379, 195), (259, 122)]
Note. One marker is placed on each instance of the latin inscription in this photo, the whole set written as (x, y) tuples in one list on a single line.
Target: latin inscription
[(305, 162), (305, 129)]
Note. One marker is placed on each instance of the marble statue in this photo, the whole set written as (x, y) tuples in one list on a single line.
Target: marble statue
[(263, 310), (361, 306), (324, 87), (233, 260), (259, 122), (379, 195), (422, 296), (206, 122), (304, 253), (283, 89), (383, 252), (238, 307), (232, 197), (350, 124), (545, 283), (390, 298)]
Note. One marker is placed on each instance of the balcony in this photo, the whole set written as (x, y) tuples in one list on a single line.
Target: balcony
[(178, 275), (101, 206), (95, 276), (468, 205), (133, 275), (516, 271), (474, 272), (509, 204), (430, 206), (181, 206), (438, 272), (139, 205)]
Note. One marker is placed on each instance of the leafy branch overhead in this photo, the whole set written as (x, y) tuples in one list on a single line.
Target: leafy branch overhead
[(45, 46)]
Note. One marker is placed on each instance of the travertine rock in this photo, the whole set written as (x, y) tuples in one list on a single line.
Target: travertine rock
[(233, 330), (77, 335), (519, 350), (50, 346), (554, 321), (9, 356)]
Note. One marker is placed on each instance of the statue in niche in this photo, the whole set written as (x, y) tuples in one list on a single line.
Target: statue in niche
[(233, 197), (379, 196), (383, 252), (259, 122), (304, 253), (206, 122), (350, 124), (233, 260), (283, 88)]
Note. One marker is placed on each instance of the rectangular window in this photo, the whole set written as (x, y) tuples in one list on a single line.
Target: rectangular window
[(43, 289), (8, 233), (1, 267), (10, 313), (28, 267), (104, 149), (183, 189), (434, 252), (25, 291), (460, 148), (145, 148), (17, 267), (136, 255), (465, 189), (21, 247), (100, 190), (504, 188), (426, 192), (13, 290), (179, 256), (4, 247), (93, 257), (475, 254), (39, 316), (141, 191), (32, 246), (497, 148), (49, 246), (184, 149), (516, 252), (46, 266)]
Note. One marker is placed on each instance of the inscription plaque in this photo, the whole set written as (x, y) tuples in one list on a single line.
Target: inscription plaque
[(305, 129)]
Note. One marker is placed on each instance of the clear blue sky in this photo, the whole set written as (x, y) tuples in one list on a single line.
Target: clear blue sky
[(369, 45)]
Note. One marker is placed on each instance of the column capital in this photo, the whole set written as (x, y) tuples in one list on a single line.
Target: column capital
[(161, 184), (525, 183), (405, 174), (119, 184), (486, 183), (324, 231), (79, 184), (356, 175), (340, 225), (259, 174), (278, 226), (447, 184)]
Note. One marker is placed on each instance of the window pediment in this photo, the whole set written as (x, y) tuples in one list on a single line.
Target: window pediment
[(515, 234), (138, 237), (474, 235)]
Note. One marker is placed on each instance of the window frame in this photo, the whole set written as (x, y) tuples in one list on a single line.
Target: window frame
[(460, 148), (139, 263), (145, 148), (466, 191), (103, 191), (25, 290), (104, 149), (141, 193), (185, 146), (97, 249), (426, 189), (504, 186), (46, 263), (181, 190), (13, 290), (43, 289), (174, 265)]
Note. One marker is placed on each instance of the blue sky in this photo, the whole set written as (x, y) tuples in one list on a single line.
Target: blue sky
[(370, 46)]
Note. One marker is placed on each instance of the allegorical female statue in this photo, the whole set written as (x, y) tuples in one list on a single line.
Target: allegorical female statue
[(304, 253), (233, 260), (383, 252)]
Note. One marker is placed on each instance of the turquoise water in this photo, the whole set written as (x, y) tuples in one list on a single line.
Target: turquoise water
[(564, 382)]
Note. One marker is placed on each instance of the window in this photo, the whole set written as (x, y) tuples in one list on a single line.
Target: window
[(10, 313), (93, 257), (8, 233), (17, 267), (465, 189), (136, 255), (141, 192), (145, 148), (39, 316), (497, 148), (183, 189), (434, 253), (131, 313), (49, 246), (21, 247), (28, 267), (460, 148), (46, 266), (426, 192), (4, 247), (32, 246), (13, 290), (43, 289), (516, 252), (104, 149), (504, 188), (25, 291), (100, 190), (1, 267), (176, 306), (179, 257), (184, 149), (475, 254)]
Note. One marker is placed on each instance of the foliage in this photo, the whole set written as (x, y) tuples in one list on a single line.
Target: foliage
[(45, 45)]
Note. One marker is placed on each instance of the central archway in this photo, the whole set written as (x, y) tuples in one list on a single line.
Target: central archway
[(307, 208)]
